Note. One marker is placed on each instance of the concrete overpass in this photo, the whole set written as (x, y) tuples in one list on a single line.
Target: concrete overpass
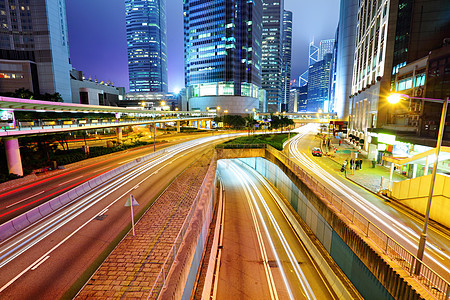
[(303, 117), (109, 117)]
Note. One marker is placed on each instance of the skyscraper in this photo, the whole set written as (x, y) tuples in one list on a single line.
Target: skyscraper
[(222, 53), (314, 54), (390, 35), (345, 53), (325, 46), (286, 62), (319, 84), (34, 52), (313, 57), (146, 42), (272, 52)]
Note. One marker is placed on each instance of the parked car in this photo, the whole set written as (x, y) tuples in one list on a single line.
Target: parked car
[(316, 152)]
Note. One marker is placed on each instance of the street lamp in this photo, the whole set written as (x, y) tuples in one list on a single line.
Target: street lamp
[(395, 98)]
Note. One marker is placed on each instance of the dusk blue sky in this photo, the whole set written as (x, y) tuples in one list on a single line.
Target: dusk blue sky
[(97, 37)]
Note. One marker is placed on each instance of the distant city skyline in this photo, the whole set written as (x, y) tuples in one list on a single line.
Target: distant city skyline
[(97, 37)]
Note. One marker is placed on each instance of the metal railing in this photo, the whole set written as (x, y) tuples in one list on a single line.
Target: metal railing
[(86, 122), (241, 146), (433, 282), (162, 275)]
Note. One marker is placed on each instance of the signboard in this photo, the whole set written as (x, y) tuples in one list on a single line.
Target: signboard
[(386, 138), (7, 120)]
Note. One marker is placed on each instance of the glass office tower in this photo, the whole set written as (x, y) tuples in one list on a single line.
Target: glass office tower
[(272, 52), (222, 50), (286, 67), (34, 51), (146, 42)]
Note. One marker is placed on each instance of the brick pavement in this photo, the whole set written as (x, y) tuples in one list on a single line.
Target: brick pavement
[(367, 176), (132, 268)]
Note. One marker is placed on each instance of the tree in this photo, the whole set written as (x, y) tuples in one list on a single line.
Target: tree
[(234, 121), (23, 94), (62, 139)]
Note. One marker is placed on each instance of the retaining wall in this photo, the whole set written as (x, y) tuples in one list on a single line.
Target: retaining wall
[(180, 281), (364, 266)]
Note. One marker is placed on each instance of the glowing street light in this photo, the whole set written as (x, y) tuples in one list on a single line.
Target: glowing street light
[(395, 98)]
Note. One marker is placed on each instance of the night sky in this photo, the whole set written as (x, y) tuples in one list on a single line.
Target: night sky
[(97, 36)]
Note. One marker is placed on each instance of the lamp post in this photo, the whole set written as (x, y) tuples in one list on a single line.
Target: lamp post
[(394, 98), (154, 128), (154, 124)]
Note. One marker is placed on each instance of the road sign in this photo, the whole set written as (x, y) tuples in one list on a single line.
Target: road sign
[(131, 201)]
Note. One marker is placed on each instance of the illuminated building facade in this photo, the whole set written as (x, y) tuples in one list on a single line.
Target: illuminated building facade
[(146, 43), (272, 52), (286, 62), (222, 54), (34, 51), (390, 34), (319, 85)]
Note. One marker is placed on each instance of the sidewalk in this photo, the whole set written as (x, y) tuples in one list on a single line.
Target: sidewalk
[(367, 176), (131, 270)]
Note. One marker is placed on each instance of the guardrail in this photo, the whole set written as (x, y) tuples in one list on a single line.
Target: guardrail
[(241, 146), (68, 123), (17, 224), (162, 275), (433, 282)]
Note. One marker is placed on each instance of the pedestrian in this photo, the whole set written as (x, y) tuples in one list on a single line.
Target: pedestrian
[(351, 164), (356, 164), (339, 142), (360, 164)]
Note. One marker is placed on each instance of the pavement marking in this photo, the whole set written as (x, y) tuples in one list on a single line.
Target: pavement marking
[(15, 203), (40, 263), (70, 180)]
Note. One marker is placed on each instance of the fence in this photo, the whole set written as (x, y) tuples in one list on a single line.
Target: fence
[(162, 275), (433, 282)]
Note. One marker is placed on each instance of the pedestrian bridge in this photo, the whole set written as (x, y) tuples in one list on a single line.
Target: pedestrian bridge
[(108, 117)]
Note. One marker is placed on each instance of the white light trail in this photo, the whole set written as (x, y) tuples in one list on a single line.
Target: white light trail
[(372, 212)]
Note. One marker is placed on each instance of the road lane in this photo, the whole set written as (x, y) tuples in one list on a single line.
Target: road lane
[(15, 201), (262, 257), (58, 254), (400, 225)]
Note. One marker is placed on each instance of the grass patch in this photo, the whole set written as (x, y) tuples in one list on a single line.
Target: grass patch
[(274, 140)]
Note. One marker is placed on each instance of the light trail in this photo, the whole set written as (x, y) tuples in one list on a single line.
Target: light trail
[(249, 193), (372, 212), (26, 239), (241, 173)]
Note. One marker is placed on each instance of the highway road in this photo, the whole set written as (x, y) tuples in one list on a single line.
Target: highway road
[(401, 225), (18, 200), (54, 257), (262, 257)]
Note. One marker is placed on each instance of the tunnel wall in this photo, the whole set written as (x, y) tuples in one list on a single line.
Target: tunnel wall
[(367, 270)]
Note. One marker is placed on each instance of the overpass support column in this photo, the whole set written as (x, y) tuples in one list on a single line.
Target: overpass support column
[(119, 134), (178, 126), (13, 156)]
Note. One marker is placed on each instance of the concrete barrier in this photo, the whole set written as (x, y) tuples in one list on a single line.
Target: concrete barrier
[(13, 226), (55, 204), (7, 230), (64, 199), (20, 222), (44, 209), (390, 277), (33, 216)]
